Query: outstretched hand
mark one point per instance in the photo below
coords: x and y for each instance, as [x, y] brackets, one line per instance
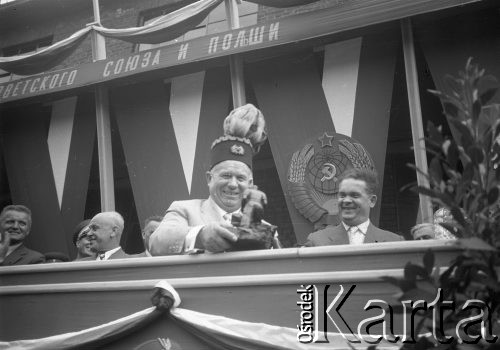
[4, 245]
[216, 237]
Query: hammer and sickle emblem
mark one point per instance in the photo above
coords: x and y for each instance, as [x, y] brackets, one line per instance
[329, 171]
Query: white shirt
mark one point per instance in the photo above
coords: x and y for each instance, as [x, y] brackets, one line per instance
[357, 236]
[108, 253]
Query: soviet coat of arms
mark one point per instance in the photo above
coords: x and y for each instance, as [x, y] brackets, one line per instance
[314, 172]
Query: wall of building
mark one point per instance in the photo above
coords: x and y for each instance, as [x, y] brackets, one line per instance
[115, 14]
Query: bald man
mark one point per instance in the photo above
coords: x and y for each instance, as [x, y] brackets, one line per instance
[106, 230]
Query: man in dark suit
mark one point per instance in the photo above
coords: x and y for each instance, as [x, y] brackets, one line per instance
[15, 226]
[357, 195]
[106, 230]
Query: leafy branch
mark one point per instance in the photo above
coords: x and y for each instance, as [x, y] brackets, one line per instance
[464, 177]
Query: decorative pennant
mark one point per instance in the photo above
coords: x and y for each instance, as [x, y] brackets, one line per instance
[59, 140]
[340, 79]
[185, 105]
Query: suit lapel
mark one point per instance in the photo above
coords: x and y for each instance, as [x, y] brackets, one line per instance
[117, 255]
[339, 235]
[370, 236]
[15, 256]
[209, 213]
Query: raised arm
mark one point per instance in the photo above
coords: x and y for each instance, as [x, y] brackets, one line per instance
[169, 237]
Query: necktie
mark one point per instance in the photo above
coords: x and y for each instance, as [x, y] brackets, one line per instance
[102, 256]
[227, 217]
[355, 235]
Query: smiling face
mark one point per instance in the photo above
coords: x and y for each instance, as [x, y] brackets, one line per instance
[84, 244]
[17, 224]
[104, 233]
[227, 181]
[355, 202]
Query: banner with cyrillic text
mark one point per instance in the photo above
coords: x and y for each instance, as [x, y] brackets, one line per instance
[350, 15]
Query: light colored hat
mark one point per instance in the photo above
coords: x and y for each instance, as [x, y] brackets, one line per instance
[244, 133]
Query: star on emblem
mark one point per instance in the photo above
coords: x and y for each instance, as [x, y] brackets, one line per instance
[326, 140]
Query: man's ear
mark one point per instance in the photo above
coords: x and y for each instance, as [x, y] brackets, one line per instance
[208, 176]
[373, 200]
[114, 231]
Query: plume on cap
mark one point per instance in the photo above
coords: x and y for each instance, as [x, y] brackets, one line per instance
[246, 122]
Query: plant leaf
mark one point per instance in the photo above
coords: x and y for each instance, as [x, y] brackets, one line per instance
[413, 271]
[434, 133]
[450, 109]
[487, 95]
[458, 216]
[452, 154]
[476, 154]
[468, 173]
[493, 195]
[476, 110]
[428, 260]
[465, 135]
[454, 228]
[435, 170]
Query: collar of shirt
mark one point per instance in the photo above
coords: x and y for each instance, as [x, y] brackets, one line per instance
[221, 211]
[108, 253]
[363, 227]
[13, 247]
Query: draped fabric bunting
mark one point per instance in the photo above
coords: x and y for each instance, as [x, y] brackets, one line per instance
[89, 337]
[282, 3]
[217, 331]
[164, 28]
[44, 59]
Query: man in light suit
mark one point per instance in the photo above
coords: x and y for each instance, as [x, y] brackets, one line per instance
[205, 224]
[106, 231]
[357, 195]
[15, 226]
